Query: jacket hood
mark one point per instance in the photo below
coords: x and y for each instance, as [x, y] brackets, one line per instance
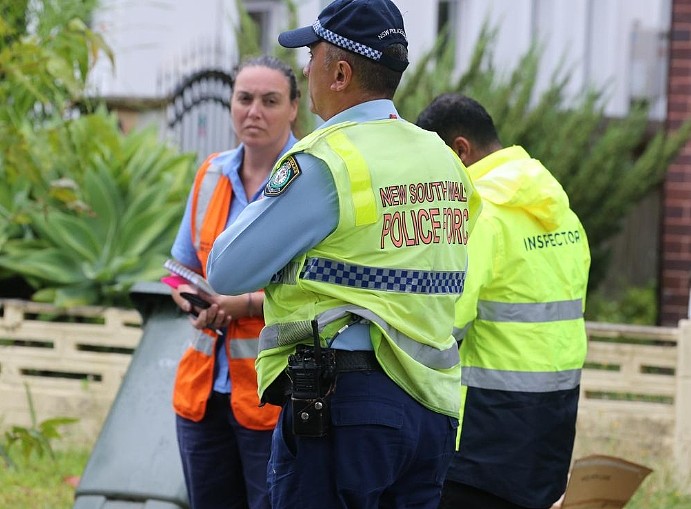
[511, 178]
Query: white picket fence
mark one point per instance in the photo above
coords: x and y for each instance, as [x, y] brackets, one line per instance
[636, 395]
[72, 366]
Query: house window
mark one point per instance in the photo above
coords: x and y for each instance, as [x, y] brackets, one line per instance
[263, 12]
[447, 19]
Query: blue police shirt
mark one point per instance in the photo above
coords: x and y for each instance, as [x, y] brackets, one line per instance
[272, 231]
[183, 248]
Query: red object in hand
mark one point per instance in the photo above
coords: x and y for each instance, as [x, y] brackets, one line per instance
[174, 281]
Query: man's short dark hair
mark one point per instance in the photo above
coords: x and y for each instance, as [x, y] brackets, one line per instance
[372, 76]
[451, 115]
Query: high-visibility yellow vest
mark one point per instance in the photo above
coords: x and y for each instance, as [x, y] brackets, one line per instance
[396, 259]
[522, 332]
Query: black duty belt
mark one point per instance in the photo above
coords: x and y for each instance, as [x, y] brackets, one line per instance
[279, 390]
[356, 360]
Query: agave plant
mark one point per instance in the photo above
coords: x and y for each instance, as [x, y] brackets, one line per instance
[104, 216]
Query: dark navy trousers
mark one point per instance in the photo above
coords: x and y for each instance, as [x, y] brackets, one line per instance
[384, 451]
[224, 464]
[461, 496]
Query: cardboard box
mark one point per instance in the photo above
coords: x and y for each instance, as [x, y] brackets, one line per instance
[602, 482]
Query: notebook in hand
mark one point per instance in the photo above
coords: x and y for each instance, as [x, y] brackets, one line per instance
[196, 280]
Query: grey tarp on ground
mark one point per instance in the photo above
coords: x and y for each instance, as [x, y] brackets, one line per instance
[135, 462]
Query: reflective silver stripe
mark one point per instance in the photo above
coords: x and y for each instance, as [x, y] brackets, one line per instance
[288, 275]
[424, 354]
[206, 192]
[459, 333]
[244, 348]
[204, 343]
[528, 312]
[520, 381]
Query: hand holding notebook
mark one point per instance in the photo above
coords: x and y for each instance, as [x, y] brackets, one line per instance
[191, 277]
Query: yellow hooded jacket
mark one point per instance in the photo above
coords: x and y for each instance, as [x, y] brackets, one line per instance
[522, 333]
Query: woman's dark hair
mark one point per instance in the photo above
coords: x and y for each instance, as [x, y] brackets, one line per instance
[272, 63]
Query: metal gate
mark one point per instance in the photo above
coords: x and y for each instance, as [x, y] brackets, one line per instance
[198, 113]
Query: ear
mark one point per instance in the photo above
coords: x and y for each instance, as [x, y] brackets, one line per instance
[462, 147]
[342, 76]
[294, 105]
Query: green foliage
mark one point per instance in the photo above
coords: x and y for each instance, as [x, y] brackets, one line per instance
[42, 73]
[662, 489]
[104, 213]
[85, 211]
[247, 33]
[606, 166]
[36, 439]
[305, 121]
[635, 305]
[43, 483]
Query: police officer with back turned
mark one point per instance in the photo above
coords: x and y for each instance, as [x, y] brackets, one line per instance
[360, 244]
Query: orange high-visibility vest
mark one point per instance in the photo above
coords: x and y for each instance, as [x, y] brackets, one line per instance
[211, 198]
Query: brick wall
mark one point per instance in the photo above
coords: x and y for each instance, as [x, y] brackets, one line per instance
[676, 222]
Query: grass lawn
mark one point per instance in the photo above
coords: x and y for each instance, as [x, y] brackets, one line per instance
[660, 500]
[42, 483]
[660, 491]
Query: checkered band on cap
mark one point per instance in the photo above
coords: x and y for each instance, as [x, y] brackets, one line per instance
[377, 278]
[345, 43]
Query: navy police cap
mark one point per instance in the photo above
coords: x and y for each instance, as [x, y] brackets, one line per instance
[366, 27]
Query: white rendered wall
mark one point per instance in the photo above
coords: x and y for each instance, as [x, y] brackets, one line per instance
[153, 38]
[591, 38]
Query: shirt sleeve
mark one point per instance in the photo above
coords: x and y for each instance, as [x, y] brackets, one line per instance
[273, 230]
[183, 249]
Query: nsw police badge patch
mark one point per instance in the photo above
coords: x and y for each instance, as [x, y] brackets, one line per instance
[282, 177]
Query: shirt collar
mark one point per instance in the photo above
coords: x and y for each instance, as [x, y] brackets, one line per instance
[231, 160]
[377, 109]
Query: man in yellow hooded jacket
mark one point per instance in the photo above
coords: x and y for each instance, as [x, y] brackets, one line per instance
[519, 322]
